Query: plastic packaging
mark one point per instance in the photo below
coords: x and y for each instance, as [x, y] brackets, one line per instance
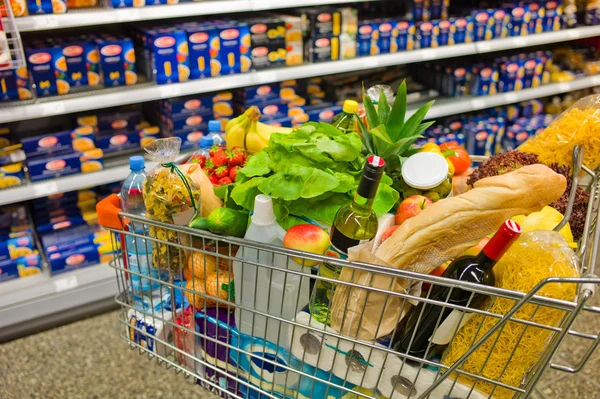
[346, 120]
[171, 196]
[267, 290]
[206, 143]
[536, 256]
[214, 133]
[578, 125]
[427, 174]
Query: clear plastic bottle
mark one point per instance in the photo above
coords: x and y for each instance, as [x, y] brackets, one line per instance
[206, 143]
[346, 120]
[147, 294]
[263, 289]
[214, 132]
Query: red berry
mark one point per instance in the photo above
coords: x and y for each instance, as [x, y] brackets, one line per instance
[222, 171]
[213, 179]
[233, 173]
[198, 158]
[225, 180]
[219, 158]
[213, 150]
[236, 158]
[209, 164]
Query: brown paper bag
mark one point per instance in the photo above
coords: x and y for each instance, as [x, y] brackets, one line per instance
[209, 199]
[358, 315]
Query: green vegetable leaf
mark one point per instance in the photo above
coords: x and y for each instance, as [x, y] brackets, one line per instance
[398, 113]
[258, 165]
[367, 140]
[282, 186]
[399, 147]
[381, 139]
[372, 116]
[415, 120]
[330, 130]
[243, 194]
[385, 199]
[346, 182]
[383, 109]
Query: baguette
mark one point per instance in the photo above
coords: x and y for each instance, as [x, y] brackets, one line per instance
[437, 234]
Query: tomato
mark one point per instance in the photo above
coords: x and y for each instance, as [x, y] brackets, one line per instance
[460, 159]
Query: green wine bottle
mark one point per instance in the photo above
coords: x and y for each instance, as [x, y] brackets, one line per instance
[353, 223]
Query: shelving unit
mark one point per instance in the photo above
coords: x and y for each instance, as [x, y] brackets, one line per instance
[147, 92]
[102, 16]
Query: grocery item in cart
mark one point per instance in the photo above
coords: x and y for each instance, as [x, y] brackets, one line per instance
[578, 125]
[520, 192]
[536, 256]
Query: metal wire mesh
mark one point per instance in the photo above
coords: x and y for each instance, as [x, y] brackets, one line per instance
[237, 337]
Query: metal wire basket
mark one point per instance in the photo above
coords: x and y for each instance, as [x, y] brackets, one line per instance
[257, 351]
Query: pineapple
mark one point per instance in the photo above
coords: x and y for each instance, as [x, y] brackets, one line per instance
[389, 136]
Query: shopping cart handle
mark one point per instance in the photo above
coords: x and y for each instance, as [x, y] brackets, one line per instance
[108, 212]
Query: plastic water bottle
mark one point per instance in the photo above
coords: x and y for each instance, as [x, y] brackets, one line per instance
[346, 120]
[206, 143]
[214, 132]
[147, 294]
[267, 290]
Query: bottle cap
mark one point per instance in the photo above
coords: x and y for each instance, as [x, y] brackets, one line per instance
[425, 170]
[502, 240]
[263, 210]
[350, 107]
[371, 176]
[136, 162]
[214, 126]
[206, 142]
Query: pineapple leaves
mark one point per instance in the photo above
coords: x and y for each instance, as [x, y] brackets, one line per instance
[399, 147]
[412, 124]
[395, 121]
[372, 117]
[381, 140]
[383, 109]
[365, 136]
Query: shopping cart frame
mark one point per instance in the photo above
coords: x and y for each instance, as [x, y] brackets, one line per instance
[224, 248]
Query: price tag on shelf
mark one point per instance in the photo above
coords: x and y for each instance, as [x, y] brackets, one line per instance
[511, 97]
[483, 47]
[45, 189]
[370, 62]
[265, 77]
[478, 104]
[65, 283]
[49, 21]
[131, 14]
[573, 34]
[52, 108]
[169, 91]
[520, 42]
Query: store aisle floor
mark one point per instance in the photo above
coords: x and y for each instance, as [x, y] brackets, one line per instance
[88, 360]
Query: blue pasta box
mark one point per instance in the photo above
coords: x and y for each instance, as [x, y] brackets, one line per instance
[191, 105]
[486, 81]
[406, 35]
[281, 122]
[203, 43]
[324, 115]
[529, 77]
[386, 41]
[462, 30]
[425, 37]
[510, 76]
[519, 21]
[24, 266]
[459, 82]
[117, 61]
[258, 94]
[14, 84]
[268, 45]
[110, 142]
[47, 145]
[120, 120]
[223, 105]
[273, 109]
[367, 38]
[189, 138]
[183, 121]
[12, 175]
[477, 138]
[231, 36]
[552, 16]
[442, 32]
[170, 55]
[61, 262]
[83, 64]
[536, 18]
[438, 9]
[48, 68]
[514, 137]
[420, 10]
[59, 223]
[17, 247]
[46, 7]
[499, 23]
[481, 28]
[47, 168]
[496, 128]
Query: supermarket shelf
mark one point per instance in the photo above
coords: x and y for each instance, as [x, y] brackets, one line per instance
[29, 301]
[102, 16]
[147, 92]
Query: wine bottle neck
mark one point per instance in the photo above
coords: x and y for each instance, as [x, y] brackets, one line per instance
[362, 205]
[484, 261]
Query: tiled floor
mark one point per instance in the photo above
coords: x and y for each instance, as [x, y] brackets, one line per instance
[87, 359]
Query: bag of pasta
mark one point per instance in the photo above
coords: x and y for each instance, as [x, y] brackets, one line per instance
[578, 125]
[171, 196]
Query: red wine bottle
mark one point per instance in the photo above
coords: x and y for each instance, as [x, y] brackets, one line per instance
[474, 269]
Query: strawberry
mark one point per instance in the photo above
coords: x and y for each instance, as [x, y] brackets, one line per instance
[222, 171]
[209, 164]
[213, 150]
[233, 172]
[213, 179]
[219, 158]
[236, 157]
[208, 171]
[225, 180]
[199, 159]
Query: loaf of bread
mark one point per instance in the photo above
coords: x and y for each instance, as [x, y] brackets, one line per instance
[439, 233]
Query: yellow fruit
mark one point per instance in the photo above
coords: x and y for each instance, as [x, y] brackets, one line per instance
[546, 219]
[202, 265]
[217, 285]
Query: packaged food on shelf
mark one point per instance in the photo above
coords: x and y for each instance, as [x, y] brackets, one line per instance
[16, 84]
[46, 7]
[24, 266]
[64, 165]
[117, 61]
[19, 8]
[268, 42]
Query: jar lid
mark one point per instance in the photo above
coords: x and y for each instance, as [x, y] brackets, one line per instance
[425, 170]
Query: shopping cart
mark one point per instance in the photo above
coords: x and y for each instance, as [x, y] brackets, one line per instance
[303, 358]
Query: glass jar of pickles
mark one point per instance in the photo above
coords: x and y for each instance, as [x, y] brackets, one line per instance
[427, 174]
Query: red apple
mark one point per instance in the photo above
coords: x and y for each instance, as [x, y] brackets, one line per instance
[411, 207]
[308, 238]
[388, 233]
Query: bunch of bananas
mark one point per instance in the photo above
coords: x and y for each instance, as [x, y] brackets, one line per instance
[247, 132]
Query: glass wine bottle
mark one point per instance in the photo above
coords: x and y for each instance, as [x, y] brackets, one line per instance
[352, 224]
[418, 326]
